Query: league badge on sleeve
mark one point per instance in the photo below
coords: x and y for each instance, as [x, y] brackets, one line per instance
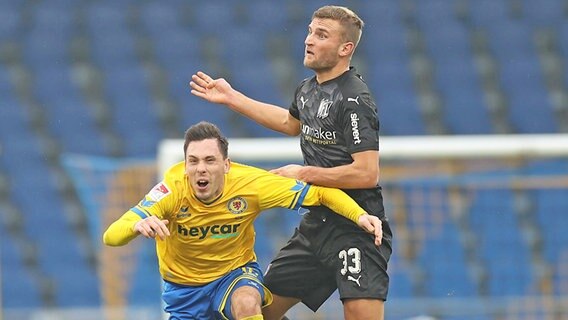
[159, 192]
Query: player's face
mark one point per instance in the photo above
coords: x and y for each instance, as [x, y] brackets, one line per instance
[323, 43]
[205, 169]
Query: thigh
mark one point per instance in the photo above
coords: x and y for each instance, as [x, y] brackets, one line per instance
[296, 272]
[248, 275]
[360, 267]
[187, 302]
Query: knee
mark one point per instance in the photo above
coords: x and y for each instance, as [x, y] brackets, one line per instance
[245, 303]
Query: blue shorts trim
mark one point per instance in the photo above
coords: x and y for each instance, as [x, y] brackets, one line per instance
[212, 300]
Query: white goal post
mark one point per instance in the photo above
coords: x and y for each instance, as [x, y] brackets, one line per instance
[393, 148]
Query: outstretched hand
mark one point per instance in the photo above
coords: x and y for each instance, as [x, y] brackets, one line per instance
[373, 225]
[152, 227]
[212, 90]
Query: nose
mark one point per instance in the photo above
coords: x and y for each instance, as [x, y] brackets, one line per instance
[307, 41]
[201, 167]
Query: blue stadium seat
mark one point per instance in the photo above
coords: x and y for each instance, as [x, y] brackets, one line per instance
[267, 16]
[397, 103]
[550, 218]
[214, 18]
[443, 260]
[19, 288]
[244, 46]
[465, 109]
[522, 80]
[493, 217]
[435, 13]
[484, 13]
[159, 18]
[544, 13]
[177, 47]
[40, 46]
[510, 38]
[389, 43]
[10, 22]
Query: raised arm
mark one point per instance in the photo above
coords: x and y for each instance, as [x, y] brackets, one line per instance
[268, 115]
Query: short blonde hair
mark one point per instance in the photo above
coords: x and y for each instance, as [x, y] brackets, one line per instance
[352, 24]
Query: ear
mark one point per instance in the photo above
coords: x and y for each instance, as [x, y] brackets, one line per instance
[346, 49]
[227, 165]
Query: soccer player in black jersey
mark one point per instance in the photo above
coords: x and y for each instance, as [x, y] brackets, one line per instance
[336, 117]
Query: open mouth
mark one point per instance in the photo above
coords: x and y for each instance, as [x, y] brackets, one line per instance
[202, 183]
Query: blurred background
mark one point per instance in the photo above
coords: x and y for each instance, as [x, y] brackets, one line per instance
[89, 88]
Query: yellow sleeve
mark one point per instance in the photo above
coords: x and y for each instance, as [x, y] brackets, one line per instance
[335, 199]
[121, 231]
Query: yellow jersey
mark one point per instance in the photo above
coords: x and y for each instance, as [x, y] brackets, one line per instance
[208, 241]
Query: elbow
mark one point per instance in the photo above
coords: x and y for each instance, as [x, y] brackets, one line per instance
[107, 240]
[370, 179]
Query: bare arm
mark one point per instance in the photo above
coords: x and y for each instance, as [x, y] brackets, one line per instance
[268, 115]
[363, 172]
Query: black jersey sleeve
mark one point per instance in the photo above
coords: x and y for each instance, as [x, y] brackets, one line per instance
[360, 123]
[293, 109]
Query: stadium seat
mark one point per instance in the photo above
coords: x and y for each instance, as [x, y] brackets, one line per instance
[493, 217]
[522, 81]
[267, 16]
[465, 110]
[483, 13]
[10, 22]
[544, 13]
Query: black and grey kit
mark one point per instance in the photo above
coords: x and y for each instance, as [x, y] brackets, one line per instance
[327, 251]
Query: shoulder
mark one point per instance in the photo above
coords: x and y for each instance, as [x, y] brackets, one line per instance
[239, 170]
[353, 84]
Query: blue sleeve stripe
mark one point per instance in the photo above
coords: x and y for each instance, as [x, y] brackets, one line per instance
[302, 196]
[139, 212]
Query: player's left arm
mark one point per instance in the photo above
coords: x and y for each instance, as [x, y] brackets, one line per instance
[359, 125]
[362, 173]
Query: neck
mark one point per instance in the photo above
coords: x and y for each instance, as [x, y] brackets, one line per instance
[329, 74]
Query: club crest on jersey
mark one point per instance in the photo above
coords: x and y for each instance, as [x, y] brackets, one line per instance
[323, 109]
[159, 191]
[237, 205]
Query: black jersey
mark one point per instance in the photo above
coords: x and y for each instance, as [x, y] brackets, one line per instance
[338, 118]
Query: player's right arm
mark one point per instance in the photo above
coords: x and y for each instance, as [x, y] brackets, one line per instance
[268, 115]
[130, 225]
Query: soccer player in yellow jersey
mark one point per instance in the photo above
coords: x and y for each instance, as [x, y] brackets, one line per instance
[202, 215]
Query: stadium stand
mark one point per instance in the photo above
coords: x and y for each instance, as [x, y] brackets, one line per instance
[110, 78]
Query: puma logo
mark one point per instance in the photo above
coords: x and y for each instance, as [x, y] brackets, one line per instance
[350, 278]
[303, 101]
[356, 100]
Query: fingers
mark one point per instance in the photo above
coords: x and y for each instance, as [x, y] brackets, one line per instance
[153, 227]
[373, 225]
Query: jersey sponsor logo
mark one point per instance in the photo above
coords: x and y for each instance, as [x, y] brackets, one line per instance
[216, 231]
[323, 109]
[356, 100]
[355, 128]
[159, 191]
[303, 101]
[237, 205]
[318, 135]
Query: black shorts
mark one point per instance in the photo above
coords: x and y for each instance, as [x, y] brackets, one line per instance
[327, 254]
